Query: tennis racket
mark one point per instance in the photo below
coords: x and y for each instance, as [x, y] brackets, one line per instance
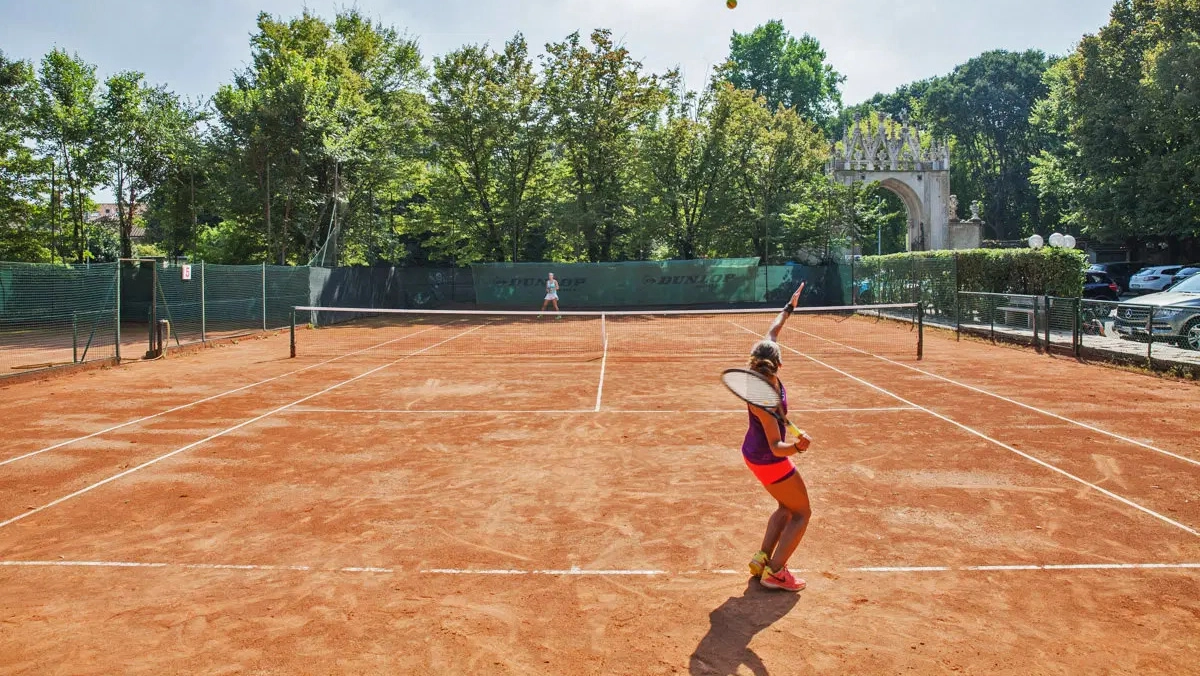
[754, 389]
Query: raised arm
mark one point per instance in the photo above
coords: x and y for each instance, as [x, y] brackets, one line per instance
[777, 325]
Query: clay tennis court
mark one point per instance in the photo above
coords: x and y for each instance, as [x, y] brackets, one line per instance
[512, 497]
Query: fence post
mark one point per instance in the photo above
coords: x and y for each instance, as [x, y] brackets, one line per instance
[920, 332]
[1047, 320]
[1035, 324]
[1076, 329]
[264, 295]
[118, 312]
[957, 316]
[203, 309]
[1150, 338]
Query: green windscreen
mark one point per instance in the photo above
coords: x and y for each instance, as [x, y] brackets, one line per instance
[620, 285]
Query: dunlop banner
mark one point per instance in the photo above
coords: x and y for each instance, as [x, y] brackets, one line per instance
[619, 285]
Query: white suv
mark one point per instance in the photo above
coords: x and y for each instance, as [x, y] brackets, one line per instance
[1153, 280]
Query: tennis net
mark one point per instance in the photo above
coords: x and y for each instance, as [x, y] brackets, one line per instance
[893, 330]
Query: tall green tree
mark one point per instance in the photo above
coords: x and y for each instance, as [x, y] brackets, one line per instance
[21, 171]
[67, 128]
[985, 106]
[490, 129]
[1124, 114]
[324, 119]
[144, 129]
[598, 98]
[785, 70]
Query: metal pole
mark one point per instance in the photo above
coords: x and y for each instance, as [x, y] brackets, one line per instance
[920, 332]
[203, 309]
[153, 304]
[74, 337]
[957, 316]
[1047, 320]
[1076, 329]
[118, 313]
[1035, 320]
[264, 295]
[293, 333]
[1150, 337]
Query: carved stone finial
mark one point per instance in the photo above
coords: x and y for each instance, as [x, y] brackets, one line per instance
[952, 208]
[976, 207]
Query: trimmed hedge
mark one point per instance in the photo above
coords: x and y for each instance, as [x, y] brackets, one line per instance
[934, 277]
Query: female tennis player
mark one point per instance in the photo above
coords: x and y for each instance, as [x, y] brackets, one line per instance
[551, 293]
[768, 456]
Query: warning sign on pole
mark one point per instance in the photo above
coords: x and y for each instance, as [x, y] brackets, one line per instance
[187, 272]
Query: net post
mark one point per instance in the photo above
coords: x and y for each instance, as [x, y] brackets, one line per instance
[203, 309]
[293, 334]
[153, 305]
[117, 312]
[74, 337]
[264, 295]
[920, 332]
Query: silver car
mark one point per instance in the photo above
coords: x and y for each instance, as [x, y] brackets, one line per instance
[1153, 280]
[1176, 315]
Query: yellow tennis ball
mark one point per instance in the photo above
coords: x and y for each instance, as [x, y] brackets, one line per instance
[731, 4]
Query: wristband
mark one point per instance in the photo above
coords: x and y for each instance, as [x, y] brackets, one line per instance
[788, 308]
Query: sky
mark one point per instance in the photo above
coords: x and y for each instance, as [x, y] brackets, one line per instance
[194, 47]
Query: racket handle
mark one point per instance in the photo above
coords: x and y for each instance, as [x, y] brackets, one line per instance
[796, 432]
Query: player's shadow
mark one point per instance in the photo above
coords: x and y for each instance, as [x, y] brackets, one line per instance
[733, 625]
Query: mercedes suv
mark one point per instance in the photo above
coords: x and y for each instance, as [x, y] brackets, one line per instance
[1176, 315]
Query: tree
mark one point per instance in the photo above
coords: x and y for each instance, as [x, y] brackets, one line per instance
[144, 128]
[490, 131]
[598, 98]
[785, 71]
[325, 118]
[1123, 111]
[66, 126]
[985, 105]
[21, 183]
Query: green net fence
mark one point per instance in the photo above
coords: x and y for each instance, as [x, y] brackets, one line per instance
[54, 315]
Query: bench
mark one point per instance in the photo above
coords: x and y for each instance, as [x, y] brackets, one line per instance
[1018, 306]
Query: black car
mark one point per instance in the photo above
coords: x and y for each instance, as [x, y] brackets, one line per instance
[1099, 286]
[1119, 272]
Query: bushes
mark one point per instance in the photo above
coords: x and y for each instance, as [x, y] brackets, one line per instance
[934, 277]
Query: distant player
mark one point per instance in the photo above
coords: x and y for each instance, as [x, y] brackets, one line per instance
[769, 458]
[551, 294]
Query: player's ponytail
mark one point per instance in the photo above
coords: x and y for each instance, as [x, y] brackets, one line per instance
[765, 357]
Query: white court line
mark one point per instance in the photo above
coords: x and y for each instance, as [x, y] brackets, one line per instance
[584, 572]
[1001, 444]
[462, 411]
[1001, 397]
[227, 431]
[206, 399]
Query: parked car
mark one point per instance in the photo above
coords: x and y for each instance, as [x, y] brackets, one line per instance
[1176, 315]
[1154, 279]
[1185, 273]
[1120, 272]
[1099, 286]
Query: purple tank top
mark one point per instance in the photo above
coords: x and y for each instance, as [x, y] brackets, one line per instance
[755, 447]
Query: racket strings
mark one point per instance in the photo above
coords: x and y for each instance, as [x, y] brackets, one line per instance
[751, 387]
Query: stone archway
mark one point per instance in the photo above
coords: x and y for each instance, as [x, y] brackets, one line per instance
[894, 158]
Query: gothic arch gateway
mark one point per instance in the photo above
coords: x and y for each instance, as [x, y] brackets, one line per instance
[894, 158]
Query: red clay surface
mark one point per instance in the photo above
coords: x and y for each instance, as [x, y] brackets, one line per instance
[316, 516]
